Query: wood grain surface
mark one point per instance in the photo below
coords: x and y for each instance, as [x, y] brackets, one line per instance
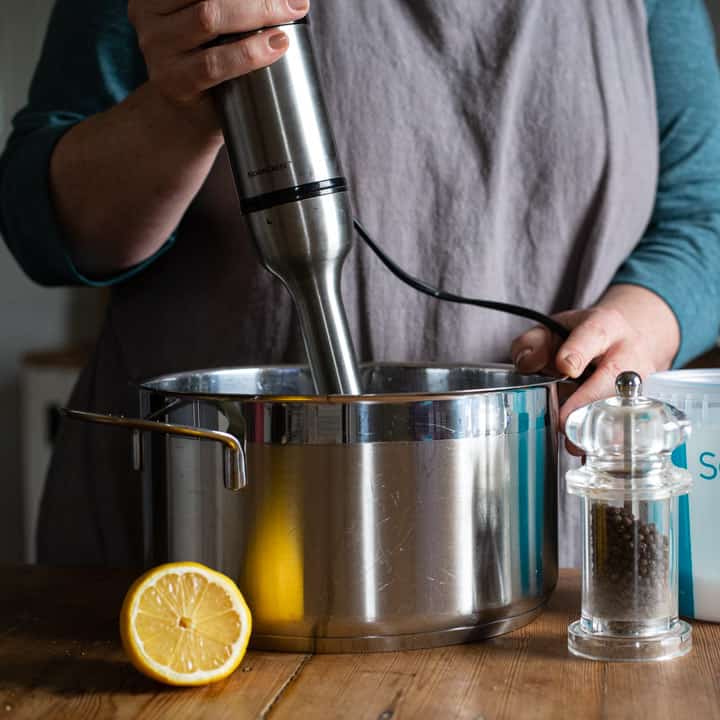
[60, 658]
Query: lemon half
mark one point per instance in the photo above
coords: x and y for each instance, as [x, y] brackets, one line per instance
[185, 624]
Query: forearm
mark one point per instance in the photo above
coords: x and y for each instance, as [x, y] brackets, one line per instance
[650, 316]
[122, 180]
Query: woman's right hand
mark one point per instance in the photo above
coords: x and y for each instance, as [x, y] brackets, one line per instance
[173, 35]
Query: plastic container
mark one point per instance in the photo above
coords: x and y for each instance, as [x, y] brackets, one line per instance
[629, 489]
[697, 394]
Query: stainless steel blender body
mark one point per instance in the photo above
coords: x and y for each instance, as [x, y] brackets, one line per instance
[276, 123]
[294, 197]
[421, 514]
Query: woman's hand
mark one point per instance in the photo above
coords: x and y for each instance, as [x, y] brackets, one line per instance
[631, 328]
[123, 179]
[173, 35]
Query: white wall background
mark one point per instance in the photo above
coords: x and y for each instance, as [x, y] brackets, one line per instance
[31, 317]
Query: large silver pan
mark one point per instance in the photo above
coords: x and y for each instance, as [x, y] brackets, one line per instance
[421, 513]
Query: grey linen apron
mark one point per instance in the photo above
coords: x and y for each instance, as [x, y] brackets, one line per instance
[498, 148]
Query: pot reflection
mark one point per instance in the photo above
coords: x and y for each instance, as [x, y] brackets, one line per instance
[272, 571]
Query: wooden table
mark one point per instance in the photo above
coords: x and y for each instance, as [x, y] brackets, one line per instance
[60, 658]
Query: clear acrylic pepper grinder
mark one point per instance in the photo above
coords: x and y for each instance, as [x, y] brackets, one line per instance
[629, 490]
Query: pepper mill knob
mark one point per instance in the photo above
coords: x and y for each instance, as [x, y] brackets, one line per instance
[628, 385]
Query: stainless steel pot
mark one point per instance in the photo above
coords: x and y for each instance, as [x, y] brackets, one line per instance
[422, 513]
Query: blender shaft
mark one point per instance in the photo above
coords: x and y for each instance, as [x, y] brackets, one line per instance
[305, 245]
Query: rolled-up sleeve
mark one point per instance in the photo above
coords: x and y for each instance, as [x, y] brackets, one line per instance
[90, 61]
[679, 256]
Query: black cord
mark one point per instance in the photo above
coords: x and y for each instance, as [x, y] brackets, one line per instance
[423, 287]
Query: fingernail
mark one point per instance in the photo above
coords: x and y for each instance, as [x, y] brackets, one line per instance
[298, 5]
[278, 41]
[521, 356]
[573, 361]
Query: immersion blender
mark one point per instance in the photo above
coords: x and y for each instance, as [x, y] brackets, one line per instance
[295, 199]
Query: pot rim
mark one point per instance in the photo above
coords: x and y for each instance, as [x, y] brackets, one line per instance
[534, 381]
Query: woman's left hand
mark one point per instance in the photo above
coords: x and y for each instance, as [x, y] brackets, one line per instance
[630, 328]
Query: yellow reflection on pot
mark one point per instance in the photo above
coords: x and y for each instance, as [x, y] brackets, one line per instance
[274, 568]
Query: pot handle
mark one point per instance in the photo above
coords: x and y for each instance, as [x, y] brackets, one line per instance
[235, 461]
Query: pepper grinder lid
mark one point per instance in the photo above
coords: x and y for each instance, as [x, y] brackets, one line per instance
[628, 440]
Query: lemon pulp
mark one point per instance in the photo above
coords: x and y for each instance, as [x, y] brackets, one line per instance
[185, 624]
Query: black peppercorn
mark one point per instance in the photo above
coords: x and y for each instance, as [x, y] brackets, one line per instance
[629, 565]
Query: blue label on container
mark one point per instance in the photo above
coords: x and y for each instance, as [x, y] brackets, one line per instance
[703, 461]
[687, 602]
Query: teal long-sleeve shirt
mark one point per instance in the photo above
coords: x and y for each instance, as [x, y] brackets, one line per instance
[678, 257]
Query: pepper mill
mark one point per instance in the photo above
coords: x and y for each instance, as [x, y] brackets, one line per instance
[629, 490]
